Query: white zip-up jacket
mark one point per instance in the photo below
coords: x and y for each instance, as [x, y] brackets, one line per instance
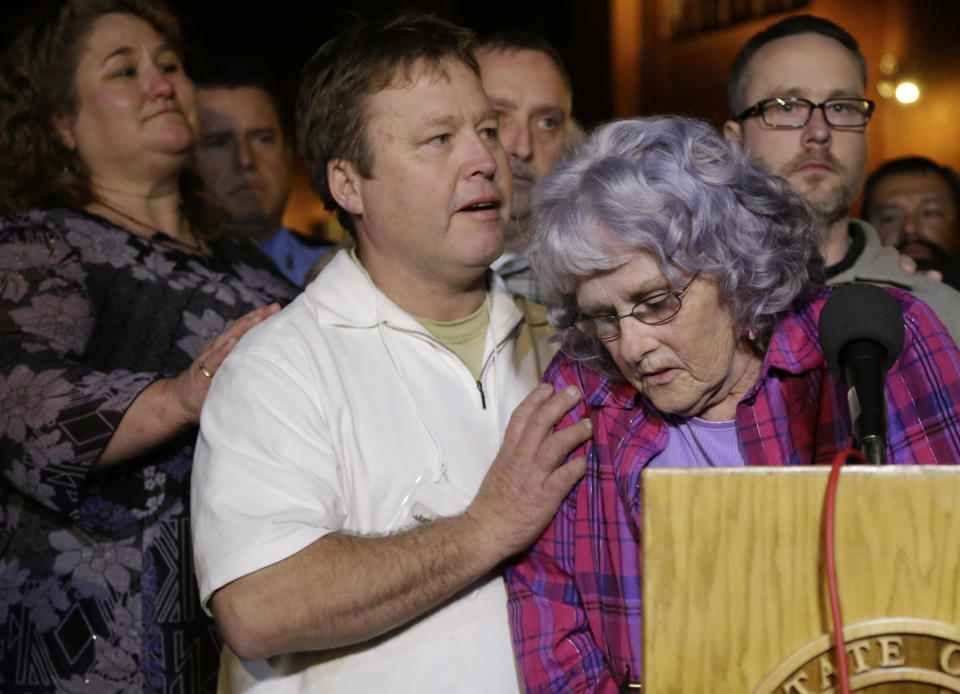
[342, 413]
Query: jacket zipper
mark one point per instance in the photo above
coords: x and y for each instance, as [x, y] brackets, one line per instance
[430, 338]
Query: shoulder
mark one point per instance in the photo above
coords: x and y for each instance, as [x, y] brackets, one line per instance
[876, 267]
[937, 303]
[922, 322]
[536, 314]
[913, 307]
[253, 267]
[564, 371]
[598, 390]
[55, 221]
[54, 238]
[74, 227]
[795, 343]
[923, 329]
[282, 333]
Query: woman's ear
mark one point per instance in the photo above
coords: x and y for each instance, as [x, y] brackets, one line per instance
[63, 128]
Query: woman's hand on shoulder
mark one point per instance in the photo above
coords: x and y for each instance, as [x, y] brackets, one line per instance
[190, 387]
[167, 407]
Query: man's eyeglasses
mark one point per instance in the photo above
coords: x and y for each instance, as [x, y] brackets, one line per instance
[657, 308]
[794, 112]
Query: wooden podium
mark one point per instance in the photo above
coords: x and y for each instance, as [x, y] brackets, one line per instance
[734, 588]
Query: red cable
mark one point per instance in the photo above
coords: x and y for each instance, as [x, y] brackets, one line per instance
[829, 505]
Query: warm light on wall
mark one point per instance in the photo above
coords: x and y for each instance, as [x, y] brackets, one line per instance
[907, 92]
[889, 64]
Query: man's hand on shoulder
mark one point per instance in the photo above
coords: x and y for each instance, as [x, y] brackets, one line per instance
[529, 479]
[344, 589]
[909, 265]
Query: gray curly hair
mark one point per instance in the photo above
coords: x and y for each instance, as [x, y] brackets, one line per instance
[671, 187]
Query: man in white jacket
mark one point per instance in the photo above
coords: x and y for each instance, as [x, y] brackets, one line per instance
[359, 476]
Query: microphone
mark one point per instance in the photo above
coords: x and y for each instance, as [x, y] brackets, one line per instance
[861, 334]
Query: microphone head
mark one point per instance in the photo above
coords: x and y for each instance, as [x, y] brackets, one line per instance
[860, 312]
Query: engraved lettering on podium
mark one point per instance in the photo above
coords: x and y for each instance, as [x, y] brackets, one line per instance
[884, 655]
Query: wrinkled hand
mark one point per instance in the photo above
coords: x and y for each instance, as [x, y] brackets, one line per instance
[528, 479]
[909, 265]
[190, 387]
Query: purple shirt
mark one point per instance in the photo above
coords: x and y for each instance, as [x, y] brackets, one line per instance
[695, 442]
[575, 604]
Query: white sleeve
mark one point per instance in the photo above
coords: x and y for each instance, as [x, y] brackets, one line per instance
[265, 477]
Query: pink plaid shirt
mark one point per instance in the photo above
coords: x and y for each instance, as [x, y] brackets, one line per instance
[575, 604]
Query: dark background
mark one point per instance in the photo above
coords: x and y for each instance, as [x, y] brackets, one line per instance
[281, 35]
[278, 36]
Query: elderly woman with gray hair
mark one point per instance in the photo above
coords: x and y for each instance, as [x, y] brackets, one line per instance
[686, 286]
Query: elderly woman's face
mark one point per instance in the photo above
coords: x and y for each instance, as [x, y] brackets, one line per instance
[695, 364]
[134, 104]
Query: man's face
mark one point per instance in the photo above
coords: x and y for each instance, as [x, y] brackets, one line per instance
[437, 201]
[533, 103]
[914, 211]
[243, 157]
[824, 164]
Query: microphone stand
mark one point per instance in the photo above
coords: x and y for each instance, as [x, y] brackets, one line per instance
[863, 361]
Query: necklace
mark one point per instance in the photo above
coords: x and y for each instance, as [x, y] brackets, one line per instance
[158, 235]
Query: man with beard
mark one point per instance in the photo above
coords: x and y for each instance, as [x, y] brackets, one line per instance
[530, 88]
[913, 204]
[797, 91]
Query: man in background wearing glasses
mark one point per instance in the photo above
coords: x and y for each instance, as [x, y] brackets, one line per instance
[798, 94]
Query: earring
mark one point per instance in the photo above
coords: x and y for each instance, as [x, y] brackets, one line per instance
[750, 333]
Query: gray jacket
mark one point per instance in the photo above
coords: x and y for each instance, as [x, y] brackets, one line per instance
[875, 266]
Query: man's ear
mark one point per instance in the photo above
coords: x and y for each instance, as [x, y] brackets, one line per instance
[733, 130]
[344, 182]
[61, 125]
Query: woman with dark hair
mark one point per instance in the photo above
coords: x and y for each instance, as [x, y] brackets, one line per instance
[686, 286]
[117, 305]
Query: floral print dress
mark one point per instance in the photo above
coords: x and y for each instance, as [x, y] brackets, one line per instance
[97, 591]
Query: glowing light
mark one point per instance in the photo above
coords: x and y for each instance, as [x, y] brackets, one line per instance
[907, 92]
[885, 88]
[889, 64]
